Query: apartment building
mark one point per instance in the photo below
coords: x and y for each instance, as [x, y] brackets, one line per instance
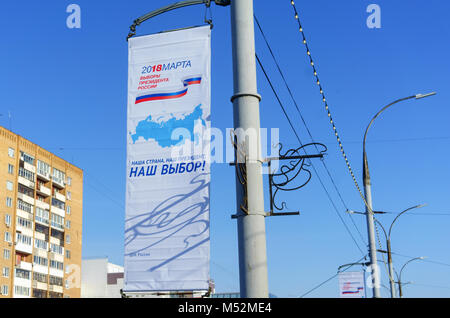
[41, 198]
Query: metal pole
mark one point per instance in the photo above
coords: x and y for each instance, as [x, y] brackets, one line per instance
[370, 229]
[368, 198]
[251, 224]
[391, 269]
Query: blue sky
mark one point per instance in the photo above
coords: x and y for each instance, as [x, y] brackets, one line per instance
[66, 91]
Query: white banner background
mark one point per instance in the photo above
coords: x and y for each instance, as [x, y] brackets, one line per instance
[167, 193]
[351, 285]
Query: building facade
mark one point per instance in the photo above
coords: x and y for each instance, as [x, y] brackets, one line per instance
[41, 200]
[101, 279]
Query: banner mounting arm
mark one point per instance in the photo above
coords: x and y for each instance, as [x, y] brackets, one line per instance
[171, 7]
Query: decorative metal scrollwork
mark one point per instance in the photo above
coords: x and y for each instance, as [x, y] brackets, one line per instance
[283, 180]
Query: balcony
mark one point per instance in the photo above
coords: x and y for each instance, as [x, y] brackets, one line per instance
[24, 230]
[29, 167]
[43, 205]
[39, 285]
[43, 175]
[40, 252]
[43, 190]
[55, 288]
[24, 265]
[40, 269]
[55, 241]
[26, 198]
[56, 257]
[25, 215]
[60, 197]
[24, 206]
[24, 248]
[58, 211]
[56, 272]
[26, 182]
[19, 282]
[59, 182]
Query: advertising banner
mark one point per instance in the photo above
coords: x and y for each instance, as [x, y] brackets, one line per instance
[168, 170]
[351, 285]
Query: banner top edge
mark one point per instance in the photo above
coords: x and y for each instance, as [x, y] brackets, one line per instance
[170, 31]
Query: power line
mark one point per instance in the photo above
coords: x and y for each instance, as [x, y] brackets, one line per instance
[298, 138]
[333, 125]
[332, 277]
[423, 260]
[306, 126]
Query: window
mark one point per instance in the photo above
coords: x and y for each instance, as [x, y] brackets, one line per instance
[68, 224]
[6, 254]
[25, 190]
[24, 239]
[58, 176]
[22, 205]
[68, 209]
[58, 204]
[57, 221]
[69, 181]
[56, 265]
[10, 168]
[8, 219]
[8, 202]
[42, 216]
[40, 244]
[27, 158]
[5, 272]
[43, 168]
[5, 290]
[38, 293]
[26, 174]
[9, 185]
[53, 280]
[67, 254]
[56, 249]
[24, 222]
[69, 195]
[68, 239]
[21, 273]
[20, 290]
[11, 152]
[40, 260]
[7, 237]
[42, 278]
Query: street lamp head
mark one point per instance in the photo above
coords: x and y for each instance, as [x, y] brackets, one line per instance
[419, 96]
[423, 257]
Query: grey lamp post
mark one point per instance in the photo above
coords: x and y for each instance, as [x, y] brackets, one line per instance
[389, 251]
[368, 198]
[400, 275]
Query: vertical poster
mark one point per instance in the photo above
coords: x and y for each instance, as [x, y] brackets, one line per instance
[351, 285]
[168, 171]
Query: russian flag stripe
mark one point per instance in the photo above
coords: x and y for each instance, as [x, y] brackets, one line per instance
[162, 96]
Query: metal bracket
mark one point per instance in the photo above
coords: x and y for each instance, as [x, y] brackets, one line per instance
[171, 7]
[288, 173]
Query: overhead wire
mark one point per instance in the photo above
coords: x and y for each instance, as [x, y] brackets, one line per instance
[333, 125]
[332, 277]
[305, 124]
[299, 140]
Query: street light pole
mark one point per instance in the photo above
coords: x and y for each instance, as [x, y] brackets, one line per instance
[389, 250]
[400, 275]
[250, 221]
[368, 198]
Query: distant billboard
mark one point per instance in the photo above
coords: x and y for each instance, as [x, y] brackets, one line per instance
[351, 285]
[167, 187]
